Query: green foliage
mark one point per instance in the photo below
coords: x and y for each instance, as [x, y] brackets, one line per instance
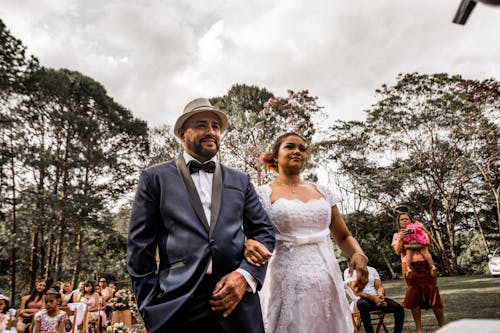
[423, 144]
[69, 153]
[163, 145]
[256, 119]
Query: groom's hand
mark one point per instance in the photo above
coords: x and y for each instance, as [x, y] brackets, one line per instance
[228, 293]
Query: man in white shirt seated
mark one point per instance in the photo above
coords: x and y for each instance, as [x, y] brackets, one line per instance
[373, 298]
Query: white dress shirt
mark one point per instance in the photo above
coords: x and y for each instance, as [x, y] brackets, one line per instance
[370, 286]
[203, 182]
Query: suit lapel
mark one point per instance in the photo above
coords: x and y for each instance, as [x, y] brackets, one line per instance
[216, 197]
[192, 192]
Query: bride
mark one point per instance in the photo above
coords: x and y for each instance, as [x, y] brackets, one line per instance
[304, 290]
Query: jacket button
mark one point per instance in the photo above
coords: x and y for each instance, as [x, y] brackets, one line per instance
[212, 241]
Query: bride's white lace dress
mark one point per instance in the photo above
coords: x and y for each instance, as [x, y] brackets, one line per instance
[303, 290]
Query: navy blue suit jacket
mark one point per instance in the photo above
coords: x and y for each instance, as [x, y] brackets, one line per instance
[166, 218]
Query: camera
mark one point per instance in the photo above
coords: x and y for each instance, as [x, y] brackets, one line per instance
[410, 231]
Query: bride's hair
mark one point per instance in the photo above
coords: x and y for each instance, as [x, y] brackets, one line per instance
[269, 158]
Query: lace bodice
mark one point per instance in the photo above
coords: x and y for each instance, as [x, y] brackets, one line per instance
[298, 218]
[303, 290]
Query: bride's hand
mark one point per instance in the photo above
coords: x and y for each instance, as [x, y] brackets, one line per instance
[359, 263]
[256, 253]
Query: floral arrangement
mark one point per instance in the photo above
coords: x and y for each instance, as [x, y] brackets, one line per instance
[117, 328]
[123, 300]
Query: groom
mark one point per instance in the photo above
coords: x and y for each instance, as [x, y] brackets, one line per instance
[187, 229]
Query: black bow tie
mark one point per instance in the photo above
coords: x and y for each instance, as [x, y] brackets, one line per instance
[194, 166]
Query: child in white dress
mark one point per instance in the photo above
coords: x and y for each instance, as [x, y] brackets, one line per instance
[5, 316]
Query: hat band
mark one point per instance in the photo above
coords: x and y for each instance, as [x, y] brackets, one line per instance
[208, 107]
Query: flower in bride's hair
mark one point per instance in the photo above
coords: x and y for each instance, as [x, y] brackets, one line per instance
[269, 162]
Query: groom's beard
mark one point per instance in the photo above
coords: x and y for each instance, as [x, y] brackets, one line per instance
[199, 147]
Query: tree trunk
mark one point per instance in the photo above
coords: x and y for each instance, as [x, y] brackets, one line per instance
[481, 232]
[37, 251]
[445, 262]
[49, 250]
[490, 183]
[76, 267]
[59, 248]
[451, 237]
[394, 275]
[33, 257]
[41, 253]
[62, 218]
[12, 263]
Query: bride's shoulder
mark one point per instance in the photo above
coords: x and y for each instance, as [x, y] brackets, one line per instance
[263, 188]
[330, 197]
[264, 193]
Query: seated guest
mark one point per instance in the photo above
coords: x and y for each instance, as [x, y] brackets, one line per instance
[66, 293]
[106, 291]
[5, 318]
[94, 305]
[77, 293]
[372, 297]
[31, 304]
[51, 319]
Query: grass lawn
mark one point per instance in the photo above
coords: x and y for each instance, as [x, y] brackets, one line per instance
[476, 296]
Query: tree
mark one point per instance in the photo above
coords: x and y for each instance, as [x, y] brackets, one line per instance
[163, 145]
[257, 118]
[15, 65]
[101, 146]
[415, 148]
[69, 153]
[485, 96]
[374, 234]
[81, 150]
[242, 143]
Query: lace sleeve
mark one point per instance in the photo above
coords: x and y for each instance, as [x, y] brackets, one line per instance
[330, 197]
[264, 193]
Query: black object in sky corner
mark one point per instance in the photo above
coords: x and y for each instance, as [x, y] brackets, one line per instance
[465, 9]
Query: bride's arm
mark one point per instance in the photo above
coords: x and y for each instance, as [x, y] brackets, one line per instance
[350, 247]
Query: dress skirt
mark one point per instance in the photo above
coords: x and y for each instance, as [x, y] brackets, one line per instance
[422, 289]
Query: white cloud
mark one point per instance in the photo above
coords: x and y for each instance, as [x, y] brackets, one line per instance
[210, 45]
[154, 56]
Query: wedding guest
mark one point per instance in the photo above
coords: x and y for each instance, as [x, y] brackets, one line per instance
[5, 318]
[372, 297]
[31, 304]
[106, 292]
[66, 293]
[94, 304]
[422, 291]
[78, 292]
[51, 319]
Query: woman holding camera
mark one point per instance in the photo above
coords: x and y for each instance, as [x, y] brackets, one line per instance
[416, 235]
[422, 291]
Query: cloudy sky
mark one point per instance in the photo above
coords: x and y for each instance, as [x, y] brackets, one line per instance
[153, 56]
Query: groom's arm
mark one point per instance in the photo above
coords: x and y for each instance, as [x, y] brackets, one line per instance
[257, 226]
[141, 246]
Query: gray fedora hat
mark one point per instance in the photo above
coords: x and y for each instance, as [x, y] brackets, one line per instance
[196, 106]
